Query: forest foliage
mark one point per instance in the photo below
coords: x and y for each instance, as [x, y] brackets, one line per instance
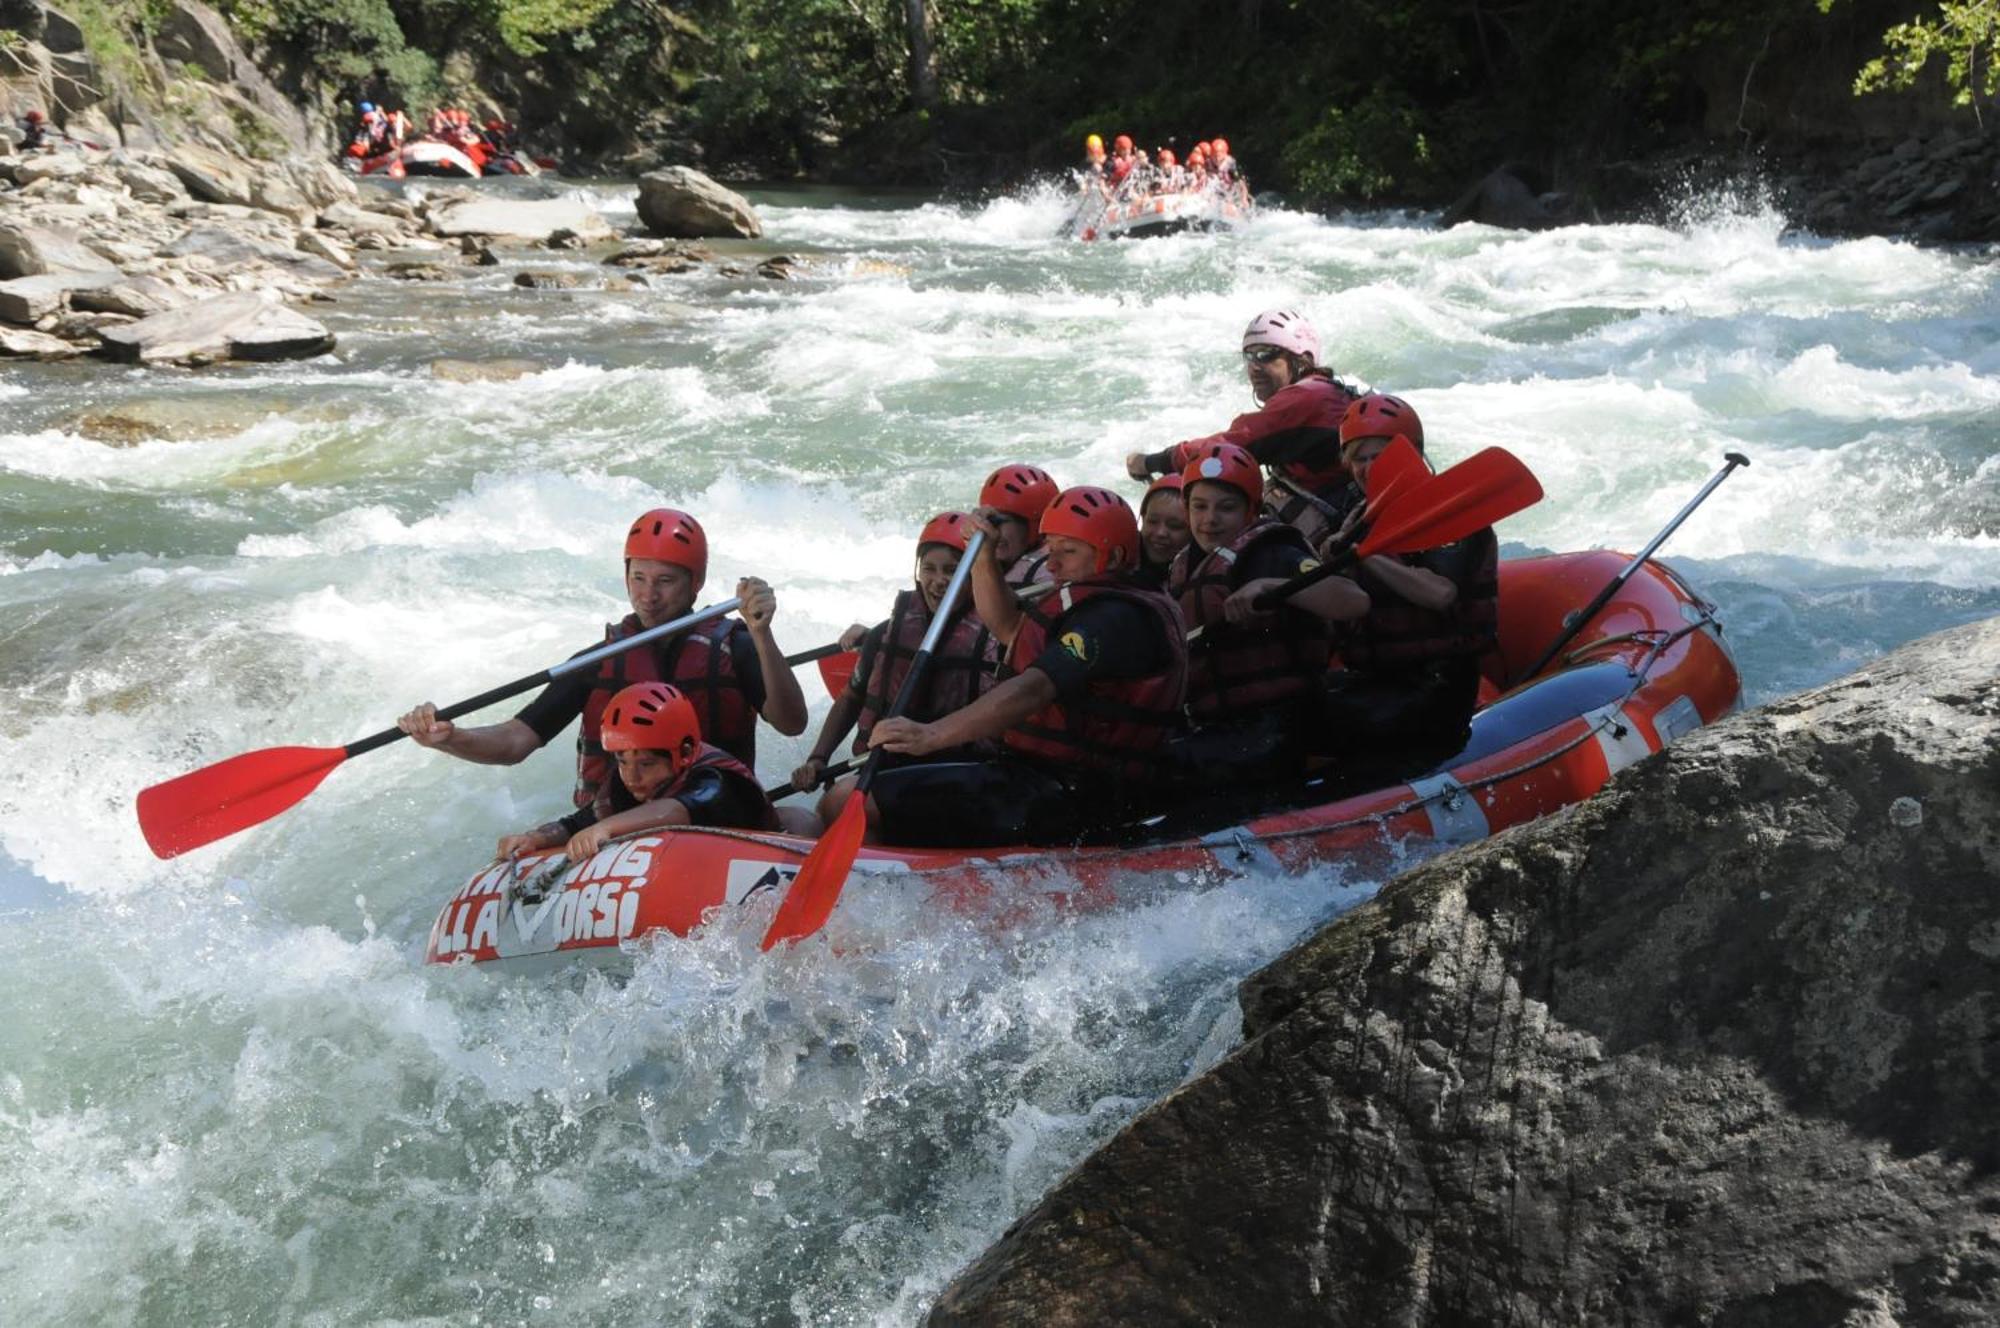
[1366, 100]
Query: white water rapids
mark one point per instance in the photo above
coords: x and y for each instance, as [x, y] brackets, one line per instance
[230, 1093]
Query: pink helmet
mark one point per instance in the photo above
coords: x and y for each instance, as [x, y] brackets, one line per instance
[1287, 329]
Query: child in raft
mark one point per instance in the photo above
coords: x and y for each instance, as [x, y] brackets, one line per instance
[664, 775]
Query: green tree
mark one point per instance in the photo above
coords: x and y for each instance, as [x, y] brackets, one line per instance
[1965, 32]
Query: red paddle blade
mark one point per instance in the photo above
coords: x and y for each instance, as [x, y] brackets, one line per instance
[1397, 467]
[1485, 488]
[816, 889]
[217, 800]
[835, 670]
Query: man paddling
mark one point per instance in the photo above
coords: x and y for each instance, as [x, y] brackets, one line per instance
[731, 669]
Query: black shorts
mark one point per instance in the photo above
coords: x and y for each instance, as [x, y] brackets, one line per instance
[978, 804]
[1413, 720]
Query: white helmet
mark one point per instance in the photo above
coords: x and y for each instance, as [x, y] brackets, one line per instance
[1287, 329]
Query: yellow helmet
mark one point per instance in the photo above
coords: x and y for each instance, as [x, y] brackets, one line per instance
[1093, 144]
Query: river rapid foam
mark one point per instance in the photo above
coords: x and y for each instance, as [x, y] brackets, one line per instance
[229, 1092]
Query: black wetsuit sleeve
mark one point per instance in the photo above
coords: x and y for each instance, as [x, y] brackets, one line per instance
[1271, 558]
[749, 669]
[577, 821]
[1101, 640]
[715, 799]
[557, 704]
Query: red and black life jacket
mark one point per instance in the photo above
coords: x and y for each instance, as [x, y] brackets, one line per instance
[963, 668]
[700, 663]
[1235, 669]
[1398, 635]
[1118, 726]
[710, 757]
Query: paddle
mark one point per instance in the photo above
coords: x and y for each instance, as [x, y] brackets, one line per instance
[1573, 622]
[1396, 469]
[218, 800]
[826, 776]
[1486, 487]
[816, 889]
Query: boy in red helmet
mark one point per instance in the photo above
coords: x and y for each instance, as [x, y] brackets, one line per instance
[1083, 723]
[964, 666]
[664, 775]
[1409, 680]
[1255, 677]
[731, 669]
[1012, 501]
[34, 131]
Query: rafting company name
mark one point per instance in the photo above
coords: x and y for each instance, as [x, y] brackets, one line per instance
[590, 901]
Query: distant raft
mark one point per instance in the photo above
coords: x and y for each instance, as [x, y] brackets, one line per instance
[1646, 669]
[1158, 214]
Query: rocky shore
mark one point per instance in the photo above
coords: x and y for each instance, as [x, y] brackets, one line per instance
[1720, 1045]
[191, 256]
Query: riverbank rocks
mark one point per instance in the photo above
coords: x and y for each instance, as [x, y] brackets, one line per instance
[244, 326]
[685, 204]
[30, 250]
[1720, 1045]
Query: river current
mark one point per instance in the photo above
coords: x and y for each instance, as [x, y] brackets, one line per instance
[229, 1091]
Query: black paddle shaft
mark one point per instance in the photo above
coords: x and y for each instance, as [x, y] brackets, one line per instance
[920, 665]
[586, 660]
[1574, 622]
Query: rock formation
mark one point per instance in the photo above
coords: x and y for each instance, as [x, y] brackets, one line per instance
[685, 204]
[1721, 1045]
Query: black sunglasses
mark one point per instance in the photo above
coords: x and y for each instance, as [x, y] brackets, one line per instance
[1261, 354]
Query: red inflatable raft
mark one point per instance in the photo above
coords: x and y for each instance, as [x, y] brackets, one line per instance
[1648, 668]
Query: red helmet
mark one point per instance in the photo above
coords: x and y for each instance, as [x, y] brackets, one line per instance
[1164, 484]
[1166, 156]
[34, 117]
[1379, 415]
[1199, 152]
[1098, 517]
[1122, 143]
[652, 717]
[946, 528]
[666, 535]
[1020, 491]
[1221, 147]
[1226, 463]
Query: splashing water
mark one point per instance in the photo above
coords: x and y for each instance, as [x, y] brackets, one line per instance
[229, 1092]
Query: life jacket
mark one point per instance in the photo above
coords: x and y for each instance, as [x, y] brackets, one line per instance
[1398, 636]
[1118, 727]
[613, 797]
[1235, 669]
[700, 663]
[962, 668]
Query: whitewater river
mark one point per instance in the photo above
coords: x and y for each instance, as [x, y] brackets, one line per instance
[230, 1093]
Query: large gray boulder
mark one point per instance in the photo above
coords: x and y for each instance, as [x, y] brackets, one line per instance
[685, 204]
[243, 326]
[214, 177]
[27, 250]
[28, 300]
[1719, 1046]
[520, 218]
[1505, 199]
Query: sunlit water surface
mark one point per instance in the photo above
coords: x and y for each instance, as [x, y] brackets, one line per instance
[229, 1093]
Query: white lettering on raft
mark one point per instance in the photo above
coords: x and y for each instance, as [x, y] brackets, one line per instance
[594, 902]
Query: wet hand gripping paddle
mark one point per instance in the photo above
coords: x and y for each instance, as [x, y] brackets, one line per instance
[1415, 514]
[218, 800]
[816, 889]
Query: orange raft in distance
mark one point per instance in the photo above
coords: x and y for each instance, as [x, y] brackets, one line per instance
[1649, 667]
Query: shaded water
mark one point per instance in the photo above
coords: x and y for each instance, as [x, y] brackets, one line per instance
[229, 1093]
